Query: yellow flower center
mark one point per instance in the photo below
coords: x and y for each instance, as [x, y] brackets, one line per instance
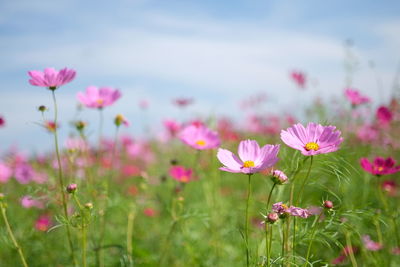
[100, 101]
[248, 164]
[201, 142]
[380, 169]
[312, 146]
[285, 207]
[184, 179]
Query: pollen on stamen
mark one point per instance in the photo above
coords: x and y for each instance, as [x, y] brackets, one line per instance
[201, 142]
[100, 101]
[248, 164]
[311, 146]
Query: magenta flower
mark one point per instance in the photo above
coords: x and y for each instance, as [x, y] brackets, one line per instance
[51, 78]
[5, 172]
[371, 245]
[299, 78]
[355, 97]
[283, 210]
[98, 97]
[199, 137]
[251, 159]
[43, 223]
[181, 174]
[384, 115]
[2, 121]
[380, 166]
[313, 140]
[29, 202]
[183, 102]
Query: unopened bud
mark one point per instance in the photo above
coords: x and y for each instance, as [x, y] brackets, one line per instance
[119, 119]
[42, 108]
[80, 125]
[279, 177]
[272, 217]
[72, 188]
[89, 205]
[328, 204]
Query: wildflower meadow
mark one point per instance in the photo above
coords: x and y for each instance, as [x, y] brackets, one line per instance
[207, 191]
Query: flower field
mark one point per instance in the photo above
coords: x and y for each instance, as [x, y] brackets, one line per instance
[270, 191]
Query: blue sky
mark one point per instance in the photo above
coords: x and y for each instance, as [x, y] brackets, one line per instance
[218, 52]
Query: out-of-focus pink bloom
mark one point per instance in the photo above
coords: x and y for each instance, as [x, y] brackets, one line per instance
[384, 115]
[290, 119]
[380, 166]
[254, 101]
[344, 255]
[143, 104]
[367, 133]
[23, 173]
[29, 202]
[5, 172]
[98, 97]
[396, 251]
[181, 174]
[371, 245]
[199, 137]
[355, 97]
[140, 150]
[312, 140]
[299, 78]
[172, 126]
[51, 78]
[390, 187]
[39, 177]
[2, 121]
[315, 210]
[130, 170]
[252, 158]
[182, 102]
[76, 145]
[227, 131]
[150, 212]
[126, 140]
[43, 223]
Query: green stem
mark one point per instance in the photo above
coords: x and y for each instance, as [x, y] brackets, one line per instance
[83, 229]
[247, 222]
[266, 224]
[315, 224]
[10, 233]
[304, 182]
[129, 234]
[351, 253]
[60, 179]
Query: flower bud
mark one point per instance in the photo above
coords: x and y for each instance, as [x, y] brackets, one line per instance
[272, 217]
[279, 177]
[119, 119]
[80, 125]
[328, 204]
[72, 188]
[1, 196]
[42, 108]
[89, 205]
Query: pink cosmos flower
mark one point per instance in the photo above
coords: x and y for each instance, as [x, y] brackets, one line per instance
[312, 140]
[251, 159]
[367, 133]
[43, 223]
[172, 126]
[355, 97]
[380, 166]
[23, 173]
[299, 78]
[282, 210]
[344, 254]
[199, 137]
[181, 174]
[182, 102]
[98, 97]
[2, 121]
[29, 202]
[5, 172]
[384, 115]
[51, 78]
[390, 187]
[371, 245]
[279, 177]
[76, 145]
